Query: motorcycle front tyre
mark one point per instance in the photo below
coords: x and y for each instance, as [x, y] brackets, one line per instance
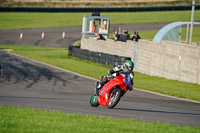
[93, 101]
[112, 102]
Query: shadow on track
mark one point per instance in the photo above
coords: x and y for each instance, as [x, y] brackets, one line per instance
[14, 70]
[38, 98]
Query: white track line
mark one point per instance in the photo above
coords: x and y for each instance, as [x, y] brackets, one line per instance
[96, 79]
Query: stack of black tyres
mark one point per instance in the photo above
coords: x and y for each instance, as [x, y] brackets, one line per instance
[98, 57]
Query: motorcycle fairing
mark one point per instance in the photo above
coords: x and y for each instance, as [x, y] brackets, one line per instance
[104, 92]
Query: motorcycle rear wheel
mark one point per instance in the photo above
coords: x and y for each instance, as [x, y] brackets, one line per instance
[93, 101]
[114, 97]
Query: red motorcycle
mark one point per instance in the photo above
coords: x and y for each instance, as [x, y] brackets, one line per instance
[112, 91]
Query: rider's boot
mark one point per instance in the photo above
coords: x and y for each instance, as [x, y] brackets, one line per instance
[97, 87]
[100, 84]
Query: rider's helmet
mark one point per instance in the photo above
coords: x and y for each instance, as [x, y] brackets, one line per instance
[128, 66]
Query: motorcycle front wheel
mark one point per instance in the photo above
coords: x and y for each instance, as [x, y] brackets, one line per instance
[114, 97]
[93, 101]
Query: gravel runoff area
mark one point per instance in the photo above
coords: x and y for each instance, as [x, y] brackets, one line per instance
[53, 36]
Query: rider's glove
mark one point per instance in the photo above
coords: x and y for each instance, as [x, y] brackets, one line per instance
[114, 74]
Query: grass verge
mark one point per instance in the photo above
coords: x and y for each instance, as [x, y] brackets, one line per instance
[20, 20]
[15, 119]
[59, 57]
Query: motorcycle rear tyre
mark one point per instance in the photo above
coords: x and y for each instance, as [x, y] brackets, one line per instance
[117, 98]
[93, 101]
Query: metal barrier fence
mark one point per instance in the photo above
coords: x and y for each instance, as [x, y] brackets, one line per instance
[129, 9]
[98, 57]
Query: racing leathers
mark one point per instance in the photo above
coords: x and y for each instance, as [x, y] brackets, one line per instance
[112, 74]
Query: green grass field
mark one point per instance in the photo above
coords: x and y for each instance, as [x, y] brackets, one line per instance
[27, 120]
[17, 119]
[20, 20]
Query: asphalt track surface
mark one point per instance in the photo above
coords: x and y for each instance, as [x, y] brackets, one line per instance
[27, 83]
[53, 36]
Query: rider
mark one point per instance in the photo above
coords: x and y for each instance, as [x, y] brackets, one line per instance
[127, 67]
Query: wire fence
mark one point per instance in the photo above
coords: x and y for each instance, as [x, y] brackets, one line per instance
[129, 9]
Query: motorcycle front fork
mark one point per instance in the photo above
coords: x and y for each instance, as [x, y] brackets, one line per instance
[96, 85]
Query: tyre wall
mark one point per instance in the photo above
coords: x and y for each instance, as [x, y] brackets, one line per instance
[99, 57]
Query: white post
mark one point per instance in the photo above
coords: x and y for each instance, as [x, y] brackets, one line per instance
[186, 40]
[91, 25]
[120, 30]
[84, 25]
[192, 20]
[179, 34]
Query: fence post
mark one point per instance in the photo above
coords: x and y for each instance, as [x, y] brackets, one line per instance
[135, 56]
[198, 72]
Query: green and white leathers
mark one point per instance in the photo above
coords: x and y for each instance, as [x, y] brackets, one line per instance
[128, 66]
